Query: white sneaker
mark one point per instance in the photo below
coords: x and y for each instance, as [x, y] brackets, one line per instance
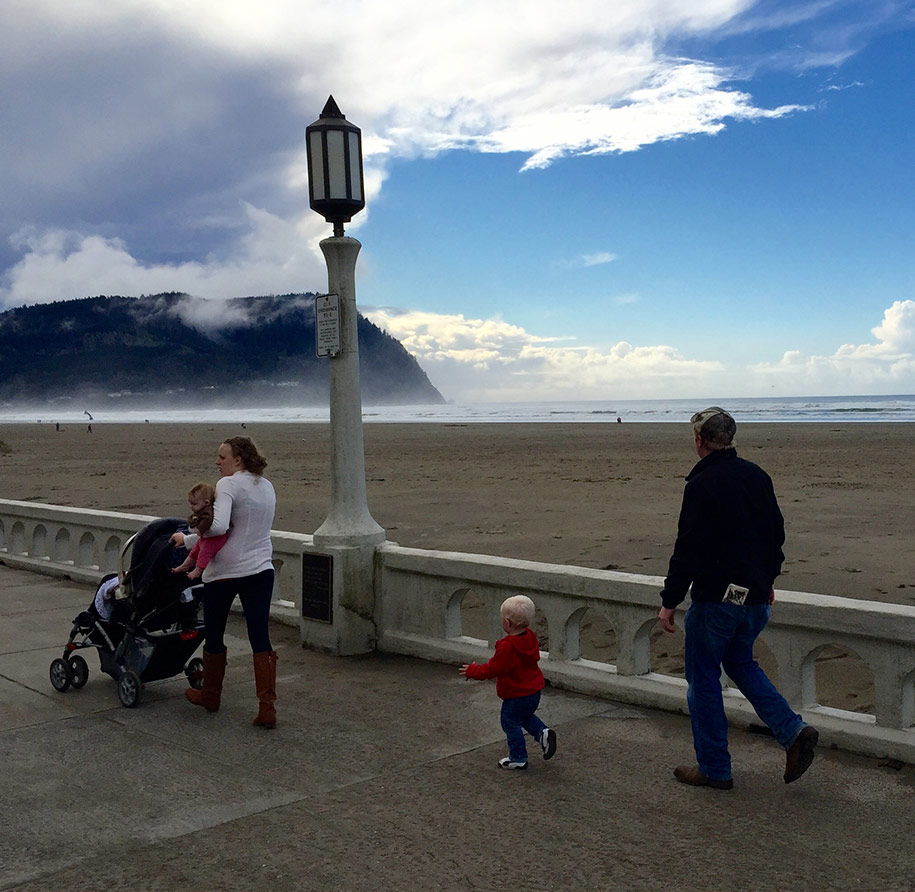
[548, 742]
[506, 762]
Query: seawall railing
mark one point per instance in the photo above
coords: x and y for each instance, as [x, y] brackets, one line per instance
[84, 544]
[445, 606]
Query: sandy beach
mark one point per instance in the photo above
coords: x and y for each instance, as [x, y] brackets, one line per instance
[592, 495]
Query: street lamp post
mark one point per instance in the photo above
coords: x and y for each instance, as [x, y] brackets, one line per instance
[349, 533]
[336, 191]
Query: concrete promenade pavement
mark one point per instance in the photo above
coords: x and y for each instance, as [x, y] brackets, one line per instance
[382, 775]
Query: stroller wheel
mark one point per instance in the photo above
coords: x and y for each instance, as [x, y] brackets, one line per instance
[60, 675]
[79, 671]
[194, 673]
[130, 688]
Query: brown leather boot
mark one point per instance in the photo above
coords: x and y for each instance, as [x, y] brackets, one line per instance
[690, 774]
[265, 680]
[214, 670]
[800, 754]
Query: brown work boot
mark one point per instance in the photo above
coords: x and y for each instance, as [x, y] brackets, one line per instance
[690, 774]
[214, 670]
[800, 754]
[265, 681]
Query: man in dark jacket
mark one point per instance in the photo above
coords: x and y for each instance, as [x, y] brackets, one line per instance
[728, 552]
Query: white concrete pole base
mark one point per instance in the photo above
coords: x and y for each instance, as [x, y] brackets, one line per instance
[353, 629]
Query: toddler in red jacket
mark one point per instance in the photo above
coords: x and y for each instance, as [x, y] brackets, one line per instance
[519, 682]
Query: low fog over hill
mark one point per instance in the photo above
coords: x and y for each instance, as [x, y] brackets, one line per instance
[170, 350]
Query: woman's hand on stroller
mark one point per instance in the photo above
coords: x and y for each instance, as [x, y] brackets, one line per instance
[177, 539]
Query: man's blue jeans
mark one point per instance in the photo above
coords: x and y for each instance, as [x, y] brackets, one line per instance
[518, 716]
[721, 636]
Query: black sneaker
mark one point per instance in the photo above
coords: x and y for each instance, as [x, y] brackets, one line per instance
[548, 742]
[506, 762]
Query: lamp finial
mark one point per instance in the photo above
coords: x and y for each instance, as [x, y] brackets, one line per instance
[331, 110]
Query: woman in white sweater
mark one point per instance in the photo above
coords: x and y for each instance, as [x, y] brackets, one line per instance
[244, 507]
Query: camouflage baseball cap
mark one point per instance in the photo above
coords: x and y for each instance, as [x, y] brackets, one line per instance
[714, 424]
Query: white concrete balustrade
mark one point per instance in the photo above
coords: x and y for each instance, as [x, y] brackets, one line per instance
[418, 610]
[419, 613]
[84, 545]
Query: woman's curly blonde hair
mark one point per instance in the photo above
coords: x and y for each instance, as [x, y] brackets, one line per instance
[244, 448]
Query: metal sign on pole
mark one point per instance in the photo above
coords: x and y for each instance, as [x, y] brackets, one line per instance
[328, 340]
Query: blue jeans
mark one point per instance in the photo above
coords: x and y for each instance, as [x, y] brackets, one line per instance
[518, 716]
[721, 636]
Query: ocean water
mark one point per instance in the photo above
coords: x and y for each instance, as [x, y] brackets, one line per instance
[820, 409]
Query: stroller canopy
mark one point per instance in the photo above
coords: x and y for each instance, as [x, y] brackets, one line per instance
[150, 582]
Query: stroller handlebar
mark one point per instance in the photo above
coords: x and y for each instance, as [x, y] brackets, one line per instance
[123, 564]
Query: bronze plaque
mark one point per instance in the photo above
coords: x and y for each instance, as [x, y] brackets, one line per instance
[318, 587]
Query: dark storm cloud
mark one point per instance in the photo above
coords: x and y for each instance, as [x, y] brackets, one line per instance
[139, 133]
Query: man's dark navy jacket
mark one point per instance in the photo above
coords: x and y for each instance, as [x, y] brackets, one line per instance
[730, 531]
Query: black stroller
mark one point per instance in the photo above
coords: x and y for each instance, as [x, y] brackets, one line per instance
[150, 630]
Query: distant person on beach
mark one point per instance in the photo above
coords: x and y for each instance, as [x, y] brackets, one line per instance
[728, 553]
[246, 502]
[201, 498]
[519, 683]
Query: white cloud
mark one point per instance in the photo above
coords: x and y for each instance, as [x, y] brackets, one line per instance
[819, 33]
[199, 313]
[680, 98]
[274, 256]
[547, 83]
[840, 87]
[886, 366]
[897, 331]
[598, 258]
[127, 115]
[490, 359]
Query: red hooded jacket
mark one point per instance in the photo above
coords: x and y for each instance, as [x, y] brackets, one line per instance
[514, 664]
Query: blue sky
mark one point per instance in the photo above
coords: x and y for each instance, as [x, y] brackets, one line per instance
[644, 199]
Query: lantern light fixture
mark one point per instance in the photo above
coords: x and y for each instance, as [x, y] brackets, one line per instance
[336, 188]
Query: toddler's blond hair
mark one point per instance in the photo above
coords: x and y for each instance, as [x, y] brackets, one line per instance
[518, 610]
